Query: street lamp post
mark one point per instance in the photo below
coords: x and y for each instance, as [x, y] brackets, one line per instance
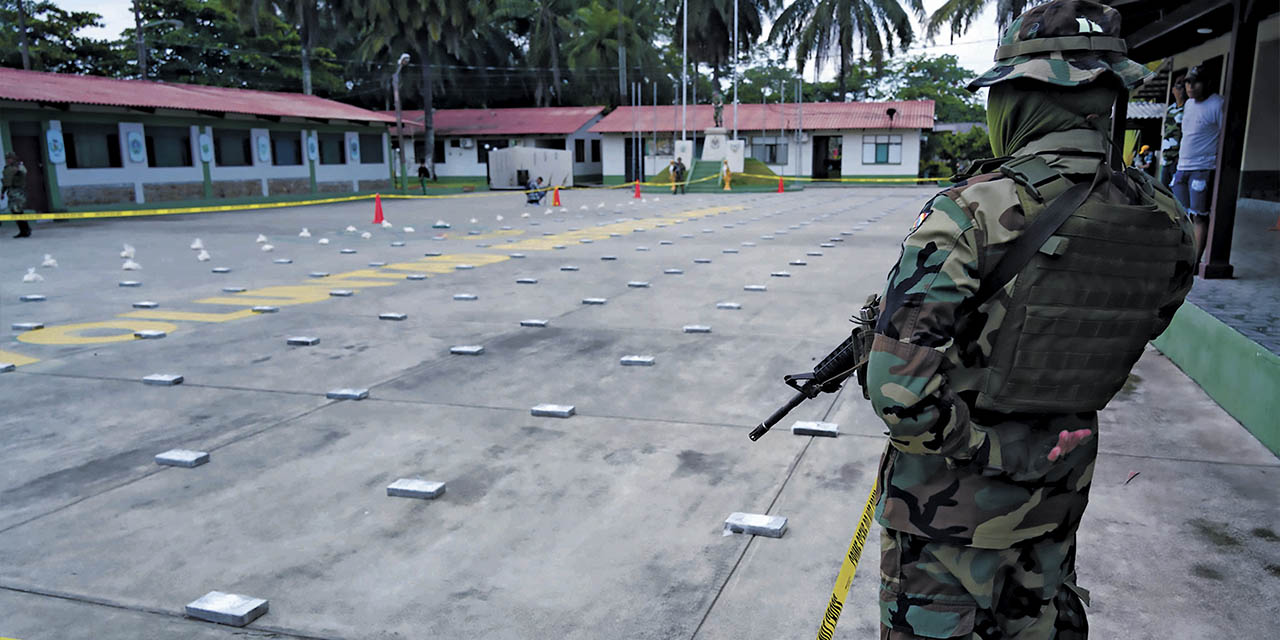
[395, 84]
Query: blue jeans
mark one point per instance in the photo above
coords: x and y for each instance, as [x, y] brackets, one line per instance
[1193, 189]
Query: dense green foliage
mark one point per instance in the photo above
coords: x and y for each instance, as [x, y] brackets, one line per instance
[519, 52]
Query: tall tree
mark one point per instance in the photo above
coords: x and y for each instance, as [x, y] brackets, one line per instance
[816, 29]
[711, 28]
[540, 24]
[940, 79]
[592, 42]
[212, 46]
[958, 15]
[305, 15]
[46, 40]
[431, 31]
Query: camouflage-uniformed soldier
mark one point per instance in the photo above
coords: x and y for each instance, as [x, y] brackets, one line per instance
[991, 405]
[14, 185]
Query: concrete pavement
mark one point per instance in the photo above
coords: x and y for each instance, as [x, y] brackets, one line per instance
[606, 524]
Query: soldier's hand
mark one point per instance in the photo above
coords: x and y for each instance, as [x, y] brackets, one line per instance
[1068, 440]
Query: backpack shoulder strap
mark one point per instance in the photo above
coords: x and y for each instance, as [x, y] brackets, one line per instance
[1045, 225]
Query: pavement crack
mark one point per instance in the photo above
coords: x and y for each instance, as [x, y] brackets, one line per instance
[256, 629]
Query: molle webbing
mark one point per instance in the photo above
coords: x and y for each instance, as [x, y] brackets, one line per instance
[1081, 312]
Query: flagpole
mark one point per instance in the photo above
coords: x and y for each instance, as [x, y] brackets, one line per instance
[684, 75]
[735, 69]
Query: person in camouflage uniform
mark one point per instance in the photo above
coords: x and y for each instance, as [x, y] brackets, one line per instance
[1172, 129]
[979, 507]
[15, 189]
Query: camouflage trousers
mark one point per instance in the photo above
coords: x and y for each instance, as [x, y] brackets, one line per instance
[935, 590]
[17, 200]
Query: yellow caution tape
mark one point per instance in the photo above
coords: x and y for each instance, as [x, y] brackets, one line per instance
[884, 179]
[850, 566]
[128, 213]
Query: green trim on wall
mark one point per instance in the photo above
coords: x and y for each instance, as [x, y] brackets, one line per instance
[6, 143]
[612, 180]
[50, 169]
[1238, 373]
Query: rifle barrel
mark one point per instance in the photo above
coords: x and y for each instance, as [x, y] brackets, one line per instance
[778, 415]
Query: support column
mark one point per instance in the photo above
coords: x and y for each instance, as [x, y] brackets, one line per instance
[1235, 111]
[50, 169]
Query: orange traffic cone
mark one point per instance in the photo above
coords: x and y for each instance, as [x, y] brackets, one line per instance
[779, 184]
[637, 196]
[555, 197]
[377, 208]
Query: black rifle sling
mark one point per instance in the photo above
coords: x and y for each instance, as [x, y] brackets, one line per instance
[1026, 246]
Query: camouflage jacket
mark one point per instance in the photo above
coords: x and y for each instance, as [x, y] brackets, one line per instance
[15, 177]
[952, 473]
[1172, 137]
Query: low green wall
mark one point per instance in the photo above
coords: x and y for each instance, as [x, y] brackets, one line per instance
[1235, 371]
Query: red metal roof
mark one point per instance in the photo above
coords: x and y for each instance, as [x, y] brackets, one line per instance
[503, 122]
[915, 114]
[38, 86]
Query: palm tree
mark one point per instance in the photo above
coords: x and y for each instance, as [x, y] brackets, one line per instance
[958, 15]
[305, 15]
[711, 28]
[431, 31]
[539, 21]
[591, 48]
[818, 28]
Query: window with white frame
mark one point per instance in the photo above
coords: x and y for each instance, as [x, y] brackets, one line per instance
[882, 149]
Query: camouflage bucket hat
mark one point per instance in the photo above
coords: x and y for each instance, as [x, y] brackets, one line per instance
[1066, 43]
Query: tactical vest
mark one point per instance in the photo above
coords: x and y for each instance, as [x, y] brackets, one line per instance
[1082, 310]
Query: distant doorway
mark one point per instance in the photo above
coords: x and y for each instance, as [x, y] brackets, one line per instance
[634, 169]
[827, 156]
[26, 143]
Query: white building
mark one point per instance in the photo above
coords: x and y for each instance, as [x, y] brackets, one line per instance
[464, 137]
[89, 141]
[812, 139]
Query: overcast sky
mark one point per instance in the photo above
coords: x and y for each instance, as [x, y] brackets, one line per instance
[974, 49]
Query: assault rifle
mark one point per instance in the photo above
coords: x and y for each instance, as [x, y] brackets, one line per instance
[847, 359]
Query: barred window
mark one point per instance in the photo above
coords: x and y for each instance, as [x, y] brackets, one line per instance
[169, 147]
[332, 149]
[231, 148]
[286, 147]
[92, 146]
[371, 151]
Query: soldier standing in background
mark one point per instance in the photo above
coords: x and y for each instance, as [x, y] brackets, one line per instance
[1172, 130]
[990, 381]
[15, 189]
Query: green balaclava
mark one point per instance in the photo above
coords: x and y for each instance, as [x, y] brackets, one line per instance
[1020, 111]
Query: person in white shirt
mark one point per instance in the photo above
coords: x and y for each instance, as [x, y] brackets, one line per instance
[1198, 154]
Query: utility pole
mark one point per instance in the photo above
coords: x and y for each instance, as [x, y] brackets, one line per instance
[622, 58]
[22, 31]
[137, 36]
[395, 83]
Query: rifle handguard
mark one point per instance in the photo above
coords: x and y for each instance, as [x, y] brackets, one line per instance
[833, 370]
